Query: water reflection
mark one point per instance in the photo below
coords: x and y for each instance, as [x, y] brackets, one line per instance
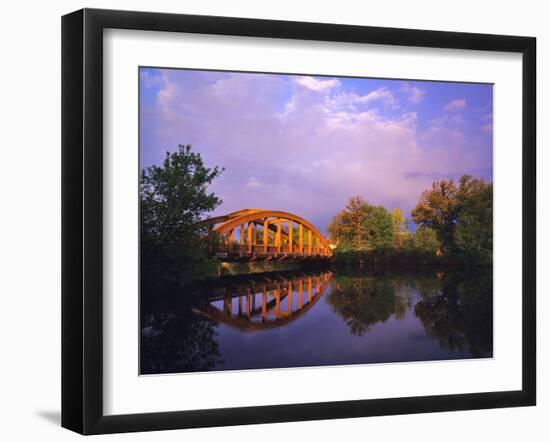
[328, 317]
[173, 337]
[266, 303]
[457, 310]
[362, 301]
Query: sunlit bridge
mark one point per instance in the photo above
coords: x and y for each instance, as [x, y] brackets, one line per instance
[256, 234]
[267, 304]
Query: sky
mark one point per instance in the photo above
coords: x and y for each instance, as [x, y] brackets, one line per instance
[305, 144]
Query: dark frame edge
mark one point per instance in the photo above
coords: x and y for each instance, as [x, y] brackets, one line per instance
[309, 411]
[529, 219]
[72, 117]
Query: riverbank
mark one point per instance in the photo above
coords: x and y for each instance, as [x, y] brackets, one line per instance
[226, 269]
[403, 258]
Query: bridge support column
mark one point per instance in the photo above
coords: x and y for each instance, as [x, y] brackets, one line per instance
[241, 239]
[278, 237]
[249, 238]
[290, 239]
[301, 239]
[309, 242]
[266, 235]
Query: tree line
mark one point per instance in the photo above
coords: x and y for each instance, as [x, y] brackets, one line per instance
[453, 219]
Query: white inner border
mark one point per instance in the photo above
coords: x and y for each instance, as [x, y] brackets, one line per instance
[126, 392]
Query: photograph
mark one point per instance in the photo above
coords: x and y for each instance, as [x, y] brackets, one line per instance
[300, 220]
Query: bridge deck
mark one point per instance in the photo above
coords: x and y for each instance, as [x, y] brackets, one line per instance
[236, 253]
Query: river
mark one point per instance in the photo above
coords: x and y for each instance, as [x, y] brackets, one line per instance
[318, 317]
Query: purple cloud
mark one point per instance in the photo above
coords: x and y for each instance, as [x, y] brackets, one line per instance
[306, 144]
[415, 94]
[455, 105]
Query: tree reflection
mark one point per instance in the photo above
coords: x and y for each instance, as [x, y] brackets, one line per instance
[456, 309]
[173, 337]
[364, 301]
[455, 306]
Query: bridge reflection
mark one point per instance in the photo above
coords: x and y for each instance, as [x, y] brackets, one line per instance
[266, 304]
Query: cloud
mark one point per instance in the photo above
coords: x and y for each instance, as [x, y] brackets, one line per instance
[252, 183]
[303, 144]
[383, 94]
[455, 105]
[449, 120]
[415, 94]
[316, 84]
[351, 100]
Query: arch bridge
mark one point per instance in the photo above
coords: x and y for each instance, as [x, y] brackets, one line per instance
[265, 234]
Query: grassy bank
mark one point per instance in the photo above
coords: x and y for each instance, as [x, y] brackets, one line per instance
[260, 267]
[404, 258]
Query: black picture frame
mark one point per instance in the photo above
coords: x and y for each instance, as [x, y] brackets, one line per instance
[82, 218]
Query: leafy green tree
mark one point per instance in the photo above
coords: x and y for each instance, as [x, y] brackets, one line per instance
[474, 232]
[438, 209]
[347, 228]
[361, 227]
[380, 227]
[425, 240]
[173, 198]
[444, 206]
[398, 220]
[400, 228]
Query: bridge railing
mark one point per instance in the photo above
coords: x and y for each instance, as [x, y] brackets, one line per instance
[225, 249]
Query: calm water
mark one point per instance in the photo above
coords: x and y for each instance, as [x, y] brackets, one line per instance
[322, 317]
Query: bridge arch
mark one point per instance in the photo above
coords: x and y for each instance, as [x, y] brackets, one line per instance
[306, 241]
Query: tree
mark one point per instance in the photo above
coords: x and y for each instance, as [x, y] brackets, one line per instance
[400, 228]
[173, 199]
[441, 208]
[361, 227]
[438, 209]
[379, 226]
[425, 239]
[398, 220]
[347, 227]
[474, 232]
